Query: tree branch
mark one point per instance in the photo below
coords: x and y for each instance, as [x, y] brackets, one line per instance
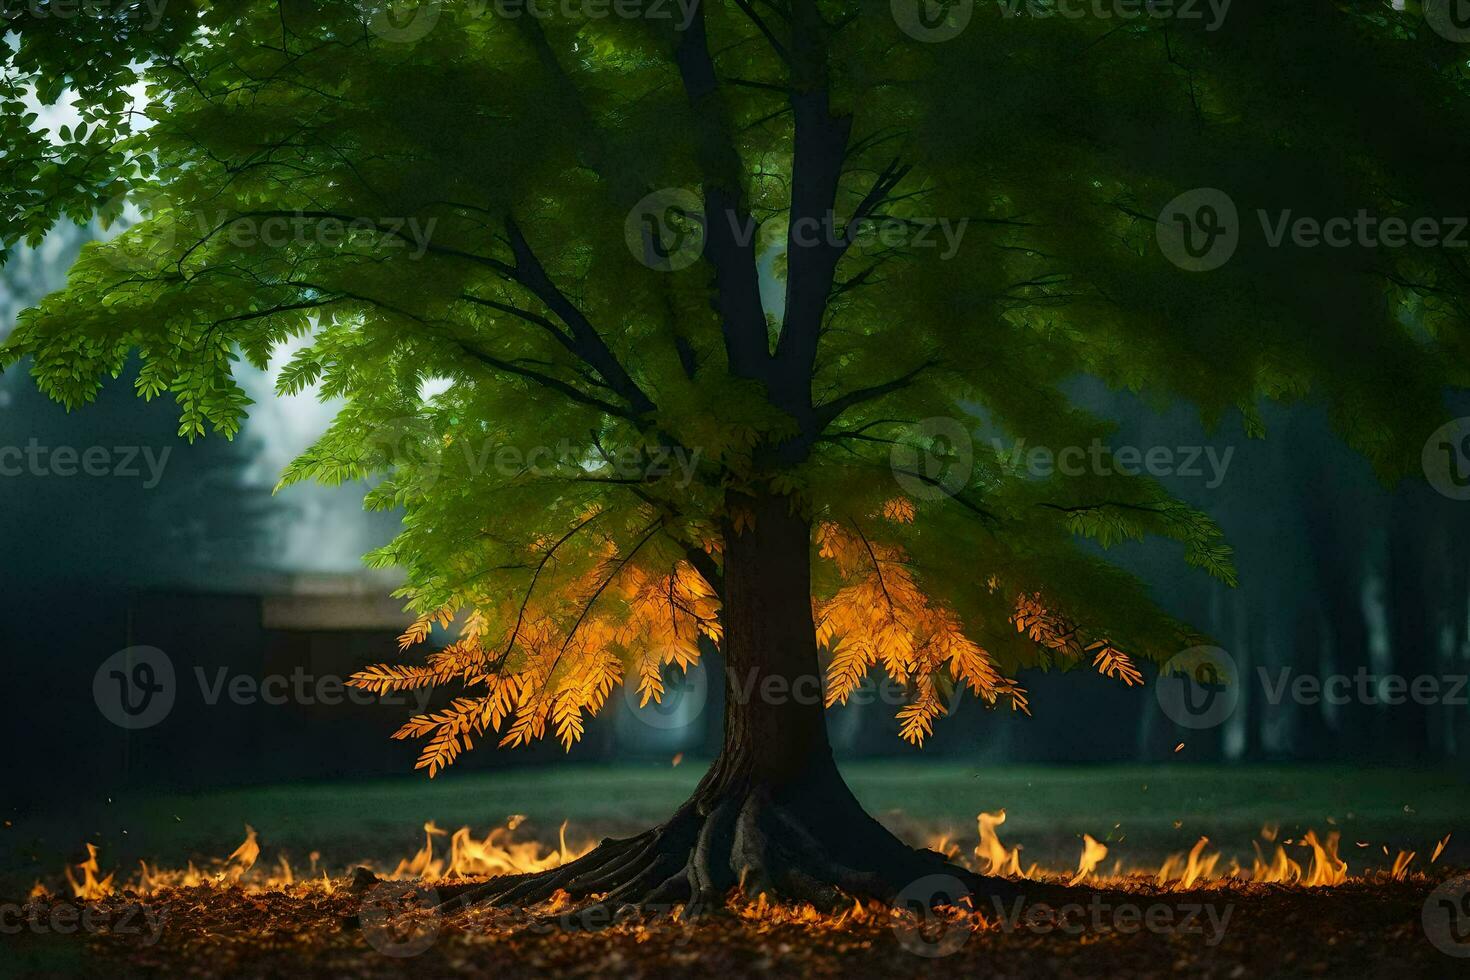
[520, 616]
[766, 32]
[490, 360]
[728, 228]
[831, 410]
[819, 150]
[652, 529]
[588, 344]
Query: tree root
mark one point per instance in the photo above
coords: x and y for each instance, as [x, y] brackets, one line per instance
[747, 845]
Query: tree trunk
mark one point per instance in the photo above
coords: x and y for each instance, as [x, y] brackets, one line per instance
[772, 815]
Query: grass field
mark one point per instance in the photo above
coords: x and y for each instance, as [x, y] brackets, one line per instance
[1143, 813]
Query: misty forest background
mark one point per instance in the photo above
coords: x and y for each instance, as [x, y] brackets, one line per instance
[1337, 573]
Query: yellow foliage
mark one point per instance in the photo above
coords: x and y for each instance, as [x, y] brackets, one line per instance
[1054, 631]
[881, 616]
[558, 664]
[900, 510]
[610, 620]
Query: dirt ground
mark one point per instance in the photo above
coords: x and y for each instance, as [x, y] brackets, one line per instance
[1373, 927]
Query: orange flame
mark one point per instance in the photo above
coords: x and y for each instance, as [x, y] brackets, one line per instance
[90, 888]
[1327, 867]
[1092, 855]
[497, 853]
[1281, 870]
[422, 864]
[998, 860]
[243, 858]
[1194, 867]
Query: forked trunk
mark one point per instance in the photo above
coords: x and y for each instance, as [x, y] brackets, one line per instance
[773, 813]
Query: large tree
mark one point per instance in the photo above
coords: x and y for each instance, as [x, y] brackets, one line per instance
[808, 250]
